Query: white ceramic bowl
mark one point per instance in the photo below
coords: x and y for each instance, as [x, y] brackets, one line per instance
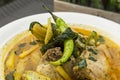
[101, 25]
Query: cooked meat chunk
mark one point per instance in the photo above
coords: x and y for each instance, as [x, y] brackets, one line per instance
[83, 74]
[68, 66]
[47, 69]
[98, 70]
[54, 54]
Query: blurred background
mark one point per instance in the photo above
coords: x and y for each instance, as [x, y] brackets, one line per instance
[11, 10]
[110, 5]
[3, 2]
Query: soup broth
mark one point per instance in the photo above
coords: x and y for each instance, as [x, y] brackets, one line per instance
[26, 56]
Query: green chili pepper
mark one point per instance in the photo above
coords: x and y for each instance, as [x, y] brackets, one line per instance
[68, 49]
[59, 22]
[68, 44]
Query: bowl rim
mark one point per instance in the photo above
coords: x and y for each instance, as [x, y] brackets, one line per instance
[70, 17]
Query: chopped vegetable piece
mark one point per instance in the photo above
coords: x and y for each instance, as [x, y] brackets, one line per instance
[94, 51]
[94, 39]
[68, 49]
[59, 21]
[22, 45]
[61, 24]
[79, 44]
[33, 23]
[25, 53]
[10, 61]
[49, 33]
[92, 58]
[55, 30]
[101, 39]
[68, 43]
[62, 72]
[75, 51]
[31, 75]
[67, 34]
[33, 43]
[82, 63]
[17, 76]
[10, 76]
[37, 30]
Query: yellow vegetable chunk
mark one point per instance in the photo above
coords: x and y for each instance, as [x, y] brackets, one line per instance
[10, 61]
[31, 75]
[25, 53]
[17, 76]
[61, 71]
[49, 33]
[38, 31]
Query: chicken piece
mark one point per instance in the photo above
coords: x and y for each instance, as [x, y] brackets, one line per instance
[48, 70]
[68, 67]
[96, 70]
[113, 56]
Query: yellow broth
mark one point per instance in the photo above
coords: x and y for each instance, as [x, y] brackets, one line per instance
[31, 61]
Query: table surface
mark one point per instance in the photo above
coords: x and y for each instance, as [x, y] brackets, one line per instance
[21, 8]
[68, 7]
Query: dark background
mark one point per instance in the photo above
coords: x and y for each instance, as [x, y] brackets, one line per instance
[4, 2]
[109, 5]
[11, 10]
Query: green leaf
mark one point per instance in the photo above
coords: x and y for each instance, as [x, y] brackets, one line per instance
[94, 51]
[58, 41]
[33, 43]
[75, 51]
[21, 45]
[82, 63]
[10, 76]
[92, 58]
[82, 38]
[101, 39]
[93, 36]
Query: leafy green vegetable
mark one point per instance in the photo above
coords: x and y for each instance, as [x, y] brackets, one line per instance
[39, 41]
[94, 35]
[33, 23]
[101, 39]
[92, 58]
[82, 38]
[21, 45]
[89, 44]
[79, 44]
[54, 28]
[58, 41]
[10, 76]
[67, 34]
[38, 30]
[75, 51]
[33, 43]
[92, 50]
[82, 63]
[94, 39]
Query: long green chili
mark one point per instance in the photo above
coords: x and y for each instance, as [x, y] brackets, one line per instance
[68, 49]
[68, 44]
